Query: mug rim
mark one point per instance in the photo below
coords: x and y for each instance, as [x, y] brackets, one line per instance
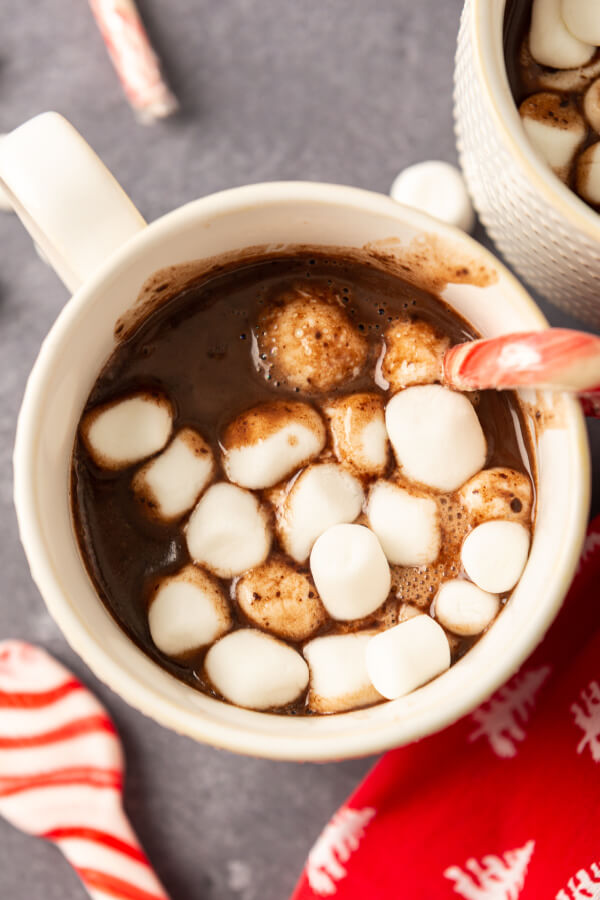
[488, 51]
[144, 696]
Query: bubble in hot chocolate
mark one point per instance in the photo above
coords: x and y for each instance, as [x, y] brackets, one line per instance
[279, 599]
[338, 673]
[128, 429]
[465, 609]
[498, 493]
[555, 128]
[188, 610]
[357, 426]
[551, 41]
[407, 525]
[414, 353]
[269, 442]
[307, 340]
[494, 555]
[171, 484]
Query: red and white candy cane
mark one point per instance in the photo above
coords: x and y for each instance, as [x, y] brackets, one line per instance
[61, 774]
[134, 59]
[557, 359]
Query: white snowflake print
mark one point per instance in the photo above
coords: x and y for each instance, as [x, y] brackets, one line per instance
[590, 546]
[502, 719]
[495, 877]
[587, 717]
[583, 886]
[335, 845]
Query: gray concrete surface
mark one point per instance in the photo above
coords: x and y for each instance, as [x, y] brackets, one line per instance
[336, 91]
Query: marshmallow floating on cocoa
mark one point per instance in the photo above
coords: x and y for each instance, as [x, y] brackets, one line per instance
[498, 493]
[188, 611]
[338, 673]
[555, 128]
[228, 531]
[407, 526]
[308, 341]
[323, 495]
[253, 669]
[436, 188]
[277, 598]
[406, 656]
[464, 608]
[591, 105]
[436, 436]
[582, 18]
[127, 430]
[269, 442]
[414, 353]
[551, 42]
[494, 555]
[360, 440]
[587, 175]
[350, 571]
[171, 484]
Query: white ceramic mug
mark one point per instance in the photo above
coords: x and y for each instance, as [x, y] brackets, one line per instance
[103, 250]
[546, 232]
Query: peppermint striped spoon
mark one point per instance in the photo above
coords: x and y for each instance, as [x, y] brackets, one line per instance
[556, 359]
[61, 774]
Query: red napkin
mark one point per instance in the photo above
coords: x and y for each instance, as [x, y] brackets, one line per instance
[502, 805]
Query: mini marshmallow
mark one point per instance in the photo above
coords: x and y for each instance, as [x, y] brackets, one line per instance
[436, 436]
[269, 442]
[253, 669]
[228, 531]
[550, 41]
[464, 608]
[277, 598]
[323, 495]
[357, 425]
[308, 340]
[494, 555]
[582, 18]
[414, 354]
[171, 484]
[436, 188]
[188, 611]
[497, 493]
[587, 175]
[555, 128]
[407, 656]
[407, 526]
[338, 673]
[350, 571]
[591, 105]
[125, 431]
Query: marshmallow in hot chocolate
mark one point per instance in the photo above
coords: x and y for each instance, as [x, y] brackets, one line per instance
[277, 598]
[338, 673]
[407, 656]
[587, 175]
[357, 426]
[413, 354]
[127, 430]
[171, 484]
[407, 525]
[556, 129]
[494, 554]
[464, 608]
[497, 493]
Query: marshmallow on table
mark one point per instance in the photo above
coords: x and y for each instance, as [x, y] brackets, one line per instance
[309, 341]
[350, 571]
[582, 18]
[494, 555]
[188, 611]
[253, 669]
[414, 353]
[357, 425]
[464, 608]
[591, 105]
[407, 656]
[587, 175]
[277, 598]
[407, 526]
[555, 128]
[498, 493]
[170, 485]
[436, 436]
[228, 531]
[436, 188]
[338, 673]
[127, 430]
[269, 442]
[323, 495]
[550, 41]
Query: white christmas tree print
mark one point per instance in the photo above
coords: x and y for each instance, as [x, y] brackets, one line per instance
[335, 845]
[587, 717]
[495, 877]
[583, 886]
[502, 719]
[590, 546]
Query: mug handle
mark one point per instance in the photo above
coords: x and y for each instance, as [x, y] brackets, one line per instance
[71, 205]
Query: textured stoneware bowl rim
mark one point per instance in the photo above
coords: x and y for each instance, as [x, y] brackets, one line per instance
[486, 40]
[360, 738]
